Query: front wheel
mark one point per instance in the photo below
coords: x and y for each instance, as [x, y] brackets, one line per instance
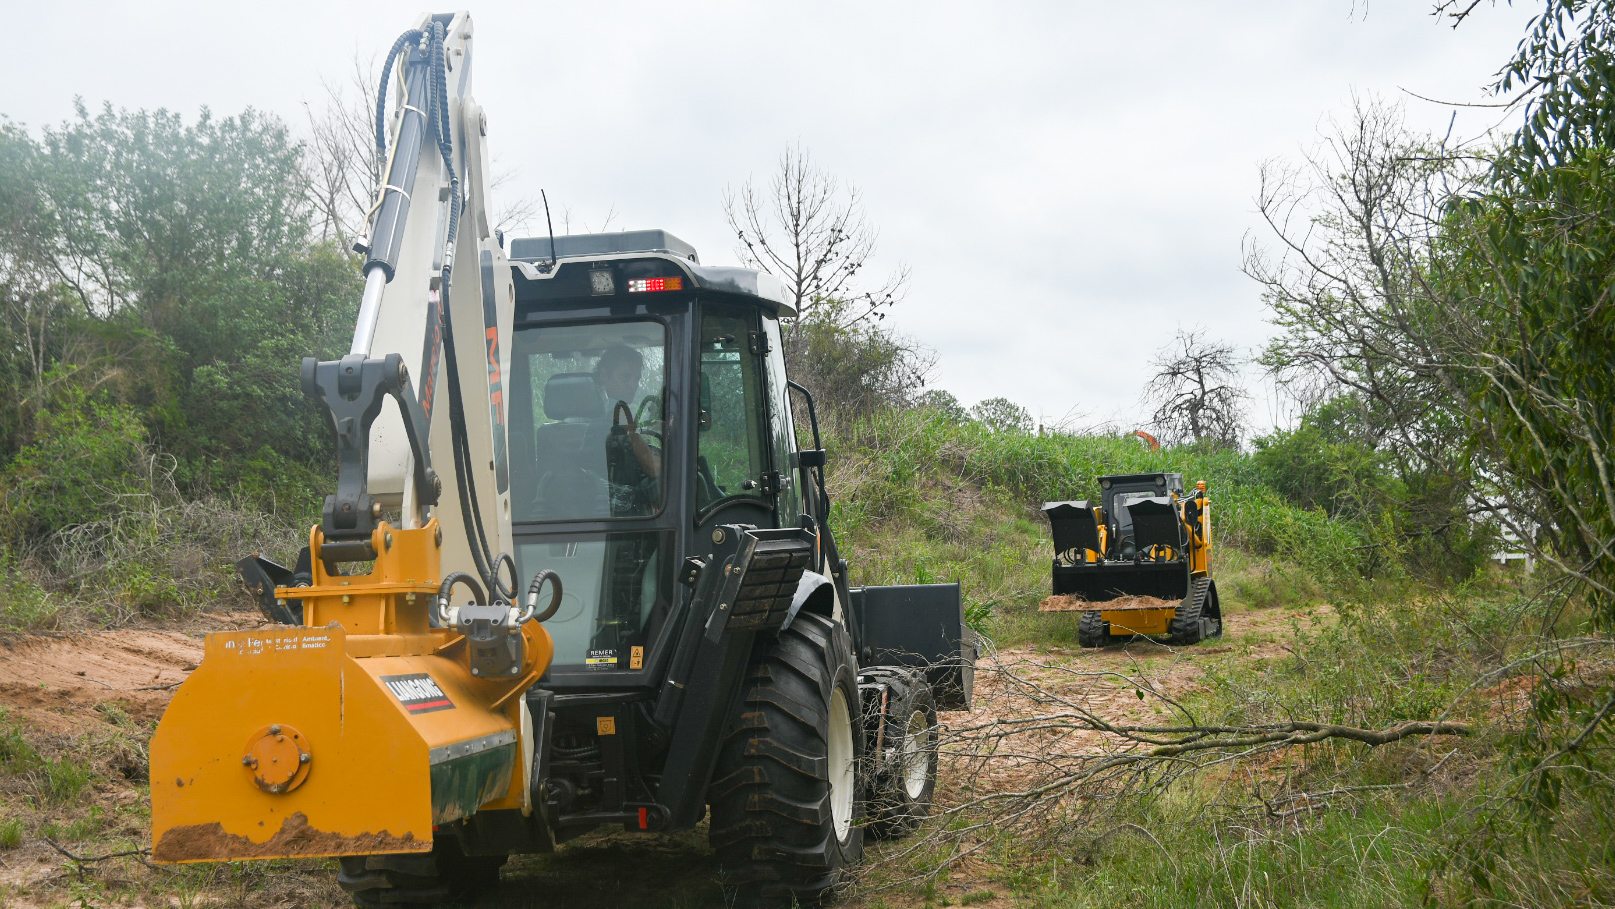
[903, 780]
[784, 801]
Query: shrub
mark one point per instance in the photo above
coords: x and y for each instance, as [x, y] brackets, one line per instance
[84, 455]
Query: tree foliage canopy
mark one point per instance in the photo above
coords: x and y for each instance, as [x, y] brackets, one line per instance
[168, 270]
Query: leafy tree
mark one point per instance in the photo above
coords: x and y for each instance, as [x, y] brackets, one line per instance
[170, 267]
[1002, 415]
[853, 368]
[943, 404]
[1468, 300]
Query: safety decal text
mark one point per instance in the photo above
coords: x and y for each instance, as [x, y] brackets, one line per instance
[601, 659]
[417, 692]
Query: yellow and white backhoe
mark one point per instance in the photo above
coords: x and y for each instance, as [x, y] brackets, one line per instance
[577, 570]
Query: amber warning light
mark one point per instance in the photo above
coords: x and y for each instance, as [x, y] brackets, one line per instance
[651, 285]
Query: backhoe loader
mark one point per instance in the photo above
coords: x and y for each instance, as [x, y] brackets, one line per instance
[577, 570]
[1136, 563]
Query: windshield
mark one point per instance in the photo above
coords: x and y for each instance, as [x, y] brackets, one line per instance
[615, 594]
[587, 420]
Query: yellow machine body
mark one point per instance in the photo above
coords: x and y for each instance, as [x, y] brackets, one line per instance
[1138, 621]
[352, 734]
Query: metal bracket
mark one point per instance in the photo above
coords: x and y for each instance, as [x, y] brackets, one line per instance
[352, 389]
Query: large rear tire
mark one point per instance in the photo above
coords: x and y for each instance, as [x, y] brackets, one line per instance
[785, 817]
[902, 780]
[418, 878]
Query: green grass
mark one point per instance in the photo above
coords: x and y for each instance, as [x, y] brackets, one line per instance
[11, 830]
[65, 778]
[919, 499]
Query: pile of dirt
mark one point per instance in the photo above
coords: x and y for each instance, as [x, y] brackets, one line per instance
[1069, 603]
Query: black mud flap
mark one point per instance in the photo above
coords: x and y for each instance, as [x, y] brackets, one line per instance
[920, 625]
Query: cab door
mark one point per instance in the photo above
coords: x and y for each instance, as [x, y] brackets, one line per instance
[784, 478]
[734, 461]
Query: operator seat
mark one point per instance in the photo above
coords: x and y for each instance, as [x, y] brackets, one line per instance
[570, 460]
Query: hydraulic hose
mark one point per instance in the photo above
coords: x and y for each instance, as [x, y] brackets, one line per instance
[445, 590]
[435, 113]
[531, 611]
[407, 39]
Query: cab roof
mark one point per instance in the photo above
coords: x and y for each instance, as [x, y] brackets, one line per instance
[539, 259]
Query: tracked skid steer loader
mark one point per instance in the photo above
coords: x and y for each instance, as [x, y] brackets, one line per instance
[1137, 563]
[577, 571]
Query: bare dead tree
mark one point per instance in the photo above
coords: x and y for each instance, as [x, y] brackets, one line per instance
[809, 230]
[341, 167]
[1196, 390]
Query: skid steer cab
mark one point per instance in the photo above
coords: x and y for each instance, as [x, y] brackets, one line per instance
[691, 647]
[1138, 563]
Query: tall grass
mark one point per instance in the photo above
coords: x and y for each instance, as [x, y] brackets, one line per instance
[151, 552]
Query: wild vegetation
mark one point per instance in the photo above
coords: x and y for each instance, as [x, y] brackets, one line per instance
[1443, 315]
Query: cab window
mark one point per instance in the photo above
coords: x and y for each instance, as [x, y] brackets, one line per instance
[587, 434]
[730, 459]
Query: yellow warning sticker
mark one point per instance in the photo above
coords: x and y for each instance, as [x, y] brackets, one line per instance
[636, 658]
[605, 725]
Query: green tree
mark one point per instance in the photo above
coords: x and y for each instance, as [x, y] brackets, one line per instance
[1002, 415]
[172, 266]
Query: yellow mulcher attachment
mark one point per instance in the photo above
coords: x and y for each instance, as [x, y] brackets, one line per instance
[354, 733]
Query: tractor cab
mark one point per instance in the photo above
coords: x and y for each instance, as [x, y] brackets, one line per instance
[648, 407]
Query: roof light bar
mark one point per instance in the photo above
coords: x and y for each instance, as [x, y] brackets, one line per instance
[653, 285]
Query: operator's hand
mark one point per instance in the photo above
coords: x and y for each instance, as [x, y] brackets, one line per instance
[649, 461]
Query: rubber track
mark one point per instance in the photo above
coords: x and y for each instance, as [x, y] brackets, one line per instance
[771, 824]
[1186, 628]
[1093, 630]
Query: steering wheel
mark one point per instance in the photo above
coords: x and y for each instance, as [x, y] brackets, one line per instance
[649, 458]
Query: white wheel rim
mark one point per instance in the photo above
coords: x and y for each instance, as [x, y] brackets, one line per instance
[916, 764]
[841, 761]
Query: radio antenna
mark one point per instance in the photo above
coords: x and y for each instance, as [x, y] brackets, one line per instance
[551, 223]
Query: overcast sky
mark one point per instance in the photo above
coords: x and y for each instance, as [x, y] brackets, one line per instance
[1070, 182]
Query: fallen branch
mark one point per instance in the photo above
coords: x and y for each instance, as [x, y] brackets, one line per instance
[1303, 733]
[85, 860]
[80, 861]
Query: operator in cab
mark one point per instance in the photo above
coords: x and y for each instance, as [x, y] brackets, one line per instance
[634, 468]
